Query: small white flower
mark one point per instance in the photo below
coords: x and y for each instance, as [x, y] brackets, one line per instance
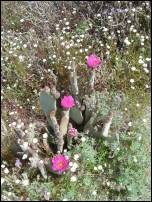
[68, 53]
[45, 135]
[54, 56]
[69, 67]
[67, 23]
[21, 58]
[17, 181]
[126, 41]
[100, 167]
[67, 47]
[139, 138]
[73, 169]
[76, 157]
[73, 179]
[94, 193]
[29, 65]
[146, 70]
[95, 168]
[44, 60]
[2, 180]
[135, 159]
[35, 45]
[144, 120]
[98, 15]
[131, 80]
[137, 104]
[129, 21]
[146, 86]
[75, 165]
[24, 156]
[140, 61]
[148, 59]
[33, 107]
[25, 182]
[35, 140]
[132, 87]
[105, 29]
[71, 164]
[144, 65]
[83, 139]
[133, 68]
[65, 199]
[6, 171]
[19, 126]
[25, 145]
[2, 166]
[126, 109]
[24, 46]
[108, 184]
[21, 20]
[14, 123]
[130, 124]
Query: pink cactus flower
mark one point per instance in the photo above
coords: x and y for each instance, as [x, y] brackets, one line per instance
[93, 61]
[67, 102]
[72, 132]
[59, 163]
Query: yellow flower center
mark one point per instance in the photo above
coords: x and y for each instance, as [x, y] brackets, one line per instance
[60, 164]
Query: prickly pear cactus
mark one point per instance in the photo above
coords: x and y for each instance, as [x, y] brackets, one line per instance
[48, 104]
[76, 115]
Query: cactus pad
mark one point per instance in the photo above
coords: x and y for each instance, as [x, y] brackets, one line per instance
[76, 115]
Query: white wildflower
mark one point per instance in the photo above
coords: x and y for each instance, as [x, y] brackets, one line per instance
[35, 140]
[94, 193]
[45, 135]
[83, 139]
[21, 20]
[133, 68]
[21, 58]
[2, 180]
[6, 171]
[24, 156]
[100, 167]
[73, 179]
[146, 70]
[76, 157]
[144, 120]
[25, 182]
[130, 124]
[137, 104]
[17, 181]
[131, 80]
[35, 45]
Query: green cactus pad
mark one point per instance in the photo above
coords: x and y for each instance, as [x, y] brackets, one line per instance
[47, 102]
[76, 115]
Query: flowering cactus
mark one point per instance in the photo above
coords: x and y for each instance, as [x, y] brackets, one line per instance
[93, 61]
[72, 132]
[59, 163]
[67, 102]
